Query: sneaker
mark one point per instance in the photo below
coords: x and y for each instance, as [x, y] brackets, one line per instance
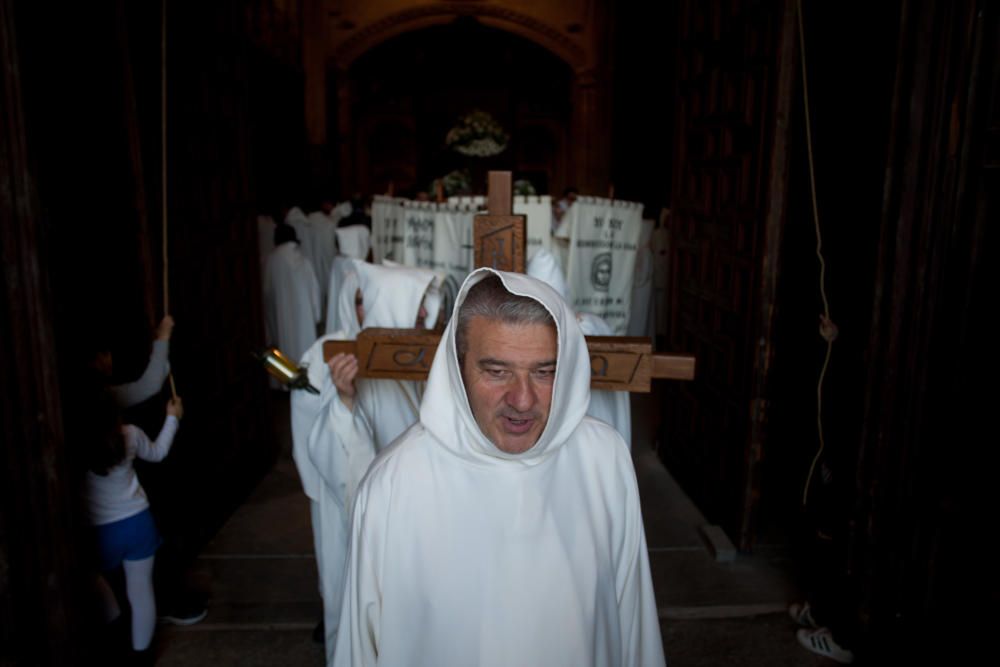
[801, 613]
[185, 615]
[820, 642]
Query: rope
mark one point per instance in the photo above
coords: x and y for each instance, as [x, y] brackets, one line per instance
[827, 329]
[163, 151]
[163, 171]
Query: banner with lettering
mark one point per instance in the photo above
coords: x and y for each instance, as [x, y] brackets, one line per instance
[603, 240]
[387, 229]
[427, 235]
[418, 233]
[453, 251]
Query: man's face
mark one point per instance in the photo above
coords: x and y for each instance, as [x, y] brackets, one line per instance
[508, 371]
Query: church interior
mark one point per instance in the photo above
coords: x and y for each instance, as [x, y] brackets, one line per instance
[820, 174]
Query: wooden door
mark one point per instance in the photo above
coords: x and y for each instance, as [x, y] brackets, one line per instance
[735, 72]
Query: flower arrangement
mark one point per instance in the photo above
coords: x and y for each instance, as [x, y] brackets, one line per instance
[477, 134]
[457, 182]
[524, 188]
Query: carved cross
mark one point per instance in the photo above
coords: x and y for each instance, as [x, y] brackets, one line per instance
[499, 235]
[617, 363]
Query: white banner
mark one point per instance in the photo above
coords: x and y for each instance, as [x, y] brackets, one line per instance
[426, 235]
[453, 252]
[418, 234]
[387, 230]
[604, 238]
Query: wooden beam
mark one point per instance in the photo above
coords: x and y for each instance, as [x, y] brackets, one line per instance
[618, 363]
[498, 199]
[499, 236]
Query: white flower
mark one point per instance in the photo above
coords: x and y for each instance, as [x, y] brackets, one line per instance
[477, 134]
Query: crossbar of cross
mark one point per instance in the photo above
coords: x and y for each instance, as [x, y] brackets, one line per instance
[617, 363]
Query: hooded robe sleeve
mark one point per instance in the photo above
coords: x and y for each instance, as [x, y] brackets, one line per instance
[361, 613]
[640, 624]
[333, 457]
[341, 445]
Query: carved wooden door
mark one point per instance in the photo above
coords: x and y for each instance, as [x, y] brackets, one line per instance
[733, 89]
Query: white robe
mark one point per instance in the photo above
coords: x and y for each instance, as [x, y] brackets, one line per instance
[462, 554]
[354, 241]
[298, 220]
[341, 442]
[343, 280]
[392, 297]
[323, 230]
[613, 407]
[306, 407]
[291, 300]
[330, 468]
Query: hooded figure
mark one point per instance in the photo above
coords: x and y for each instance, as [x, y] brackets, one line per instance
[323, 232]
[299, 221]
[504, 528]
[354, 241]
[343, 276]
[330, 478]
[291, 295]
[614, 407]
[333, 441]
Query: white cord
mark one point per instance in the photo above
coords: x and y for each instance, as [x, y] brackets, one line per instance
[826, 325]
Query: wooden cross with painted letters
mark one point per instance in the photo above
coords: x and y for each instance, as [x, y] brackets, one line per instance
[617, 363]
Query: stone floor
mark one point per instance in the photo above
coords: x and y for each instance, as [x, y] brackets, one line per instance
[261, 575]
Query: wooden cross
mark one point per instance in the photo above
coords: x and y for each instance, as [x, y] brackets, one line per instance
[617, 363]
[499, 235]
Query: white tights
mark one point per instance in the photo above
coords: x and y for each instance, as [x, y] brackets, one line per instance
[139, 588]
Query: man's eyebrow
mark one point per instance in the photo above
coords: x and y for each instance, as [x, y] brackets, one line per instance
[490, 361]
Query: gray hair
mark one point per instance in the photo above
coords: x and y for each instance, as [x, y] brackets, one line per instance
[490, 299]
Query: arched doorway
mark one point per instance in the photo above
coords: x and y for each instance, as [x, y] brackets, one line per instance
[407, 92]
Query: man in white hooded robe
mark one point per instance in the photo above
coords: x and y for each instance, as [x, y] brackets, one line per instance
[504, 528]
[395, 297]
[331, 480]
[351, 420]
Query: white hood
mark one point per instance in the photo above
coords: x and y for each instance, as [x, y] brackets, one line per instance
[545, 267]
[346, 313]
[445, 410]
[432, 297]
[393, 295]
[295, 216]
[354, 241]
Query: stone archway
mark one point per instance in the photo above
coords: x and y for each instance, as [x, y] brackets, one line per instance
[407, 19]
[577, 35]
[416, 80]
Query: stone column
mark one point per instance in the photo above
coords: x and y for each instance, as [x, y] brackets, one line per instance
[590, 136]
[314, 69]
[345, 132]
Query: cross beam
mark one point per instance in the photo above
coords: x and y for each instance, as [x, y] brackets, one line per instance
[617, 363]
[499, 235]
